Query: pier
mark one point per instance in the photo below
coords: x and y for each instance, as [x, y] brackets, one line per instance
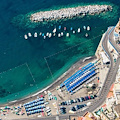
[69, 12]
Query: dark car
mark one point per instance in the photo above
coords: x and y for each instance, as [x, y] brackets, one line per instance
[78, 106]
[73, 109]
[95, 95]
[83, 99]
[78, 99]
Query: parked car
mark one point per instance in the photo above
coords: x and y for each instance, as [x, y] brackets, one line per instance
[73, 109]
[78, 99]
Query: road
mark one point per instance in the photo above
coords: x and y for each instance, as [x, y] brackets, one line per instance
[110, 79]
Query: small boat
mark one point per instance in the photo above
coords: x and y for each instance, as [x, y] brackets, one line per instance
[26, 37]
[86, 35]
[65, 28]
[50, 34]
[73, 31]
[47, 34]
[88, 28]
[29, 34]
[40, 34]
[59, 35]
[54, 30]
[71, 28]
[84, 27]
[35, 34]
[78, 30]
[67, 35]
[43, 34]
[59, 27]
[44, 37]
[54, 34]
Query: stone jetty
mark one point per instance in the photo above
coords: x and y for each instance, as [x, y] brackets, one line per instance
[69, 12]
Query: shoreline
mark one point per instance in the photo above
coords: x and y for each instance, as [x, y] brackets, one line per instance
[64, 13]
[53, 85]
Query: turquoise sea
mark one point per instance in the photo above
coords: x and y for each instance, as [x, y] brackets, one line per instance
[24, 63]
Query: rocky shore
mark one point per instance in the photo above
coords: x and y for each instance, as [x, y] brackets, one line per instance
[69, 12]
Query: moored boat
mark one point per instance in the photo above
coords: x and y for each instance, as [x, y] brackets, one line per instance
[73, 31]
[84, 27]
[25, 36]
[88, 28]
[35, 34]
[54, 30]
[59, 35]
[78, 30]
[86, 35]
[67, 35]
[29, 34]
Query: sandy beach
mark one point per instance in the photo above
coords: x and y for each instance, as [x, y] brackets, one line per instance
[63, 77]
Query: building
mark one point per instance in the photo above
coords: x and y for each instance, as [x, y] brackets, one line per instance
[117, 31]
[105, 58]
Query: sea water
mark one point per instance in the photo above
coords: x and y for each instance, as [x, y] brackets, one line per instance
[28, 66]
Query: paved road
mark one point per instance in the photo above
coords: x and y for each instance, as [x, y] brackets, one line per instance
[110, 78]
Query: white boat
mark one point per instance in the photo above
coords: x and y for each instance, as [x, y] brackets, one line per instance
[54, 30]
[54, 34]
[86, 35]
[88, 28]
[78, 30]
[47, 34]
[25, 36]
[61, 33]
[35, 34]
[50, 35]
[73, 32]
[29, 34]
[67, 35]
[40, 34]
[44, 37]
[84, 27]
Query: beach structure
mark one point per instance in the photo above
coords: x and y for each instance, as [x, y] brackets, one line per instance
[68, 12]
[35, 106]
[25, 36]
[74, 82]
[117, 31]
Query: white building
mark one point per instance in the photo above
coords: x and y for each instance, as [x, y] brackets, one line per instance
[117, 31]
[105, 58]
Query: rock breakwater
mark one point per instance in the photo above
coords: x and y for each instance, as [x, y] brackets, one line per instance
[69, 12]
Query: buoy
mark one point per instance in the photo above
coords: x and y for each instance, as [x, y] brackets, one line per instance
[84, 27]
[40, 34]
[64, 28]
[61, 33]
[54, 30]
[59, 27]
[71, 28]
[35, 34]
[86, 35]
[88, 28]
[73, 32]
[29, 34]
[67, 35]
[78, 30]
[26, 37]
